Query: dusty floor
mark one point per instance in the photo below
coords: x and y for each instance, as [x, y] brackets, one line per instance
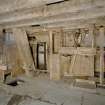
[42, 91]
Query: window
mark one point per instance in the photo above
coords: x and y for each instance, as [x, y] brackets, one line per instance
[9, 38]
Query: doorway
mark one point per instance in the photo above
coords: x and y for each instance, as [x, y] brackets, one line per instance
[41, 56]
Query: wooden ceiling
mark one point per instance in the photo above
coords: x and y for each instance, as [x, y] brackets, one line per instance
[51, 13]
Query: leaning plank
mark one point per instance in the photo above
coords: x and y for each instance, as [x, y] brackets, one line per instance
[24, 49]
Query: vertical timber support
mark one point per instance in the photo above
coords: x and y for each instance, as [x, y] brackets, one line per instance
[54, 61]
[51, 55]
[61, 73]
[101, 66]
[101, 55]
[91, 33]
[24, 50]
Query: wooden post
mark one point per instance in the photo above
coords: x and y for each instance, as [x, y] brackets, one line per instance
[91, 33]
[54, 61]
[101, 65]
[50, 50]
[101, 55]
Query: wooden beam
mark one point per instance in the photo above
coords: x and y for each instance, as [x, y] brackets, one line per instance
[79, 23]
[68, 6]
[88, 14]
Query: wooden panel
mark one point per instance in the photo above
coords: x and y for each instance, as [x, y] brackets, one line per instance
[65, 64]
[56, 71]
[83, 66]
[56, 42]
[67, 39]
[82, 60]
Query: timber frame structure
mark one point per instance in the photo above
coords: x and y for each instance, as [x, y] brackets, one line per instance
[62, 38]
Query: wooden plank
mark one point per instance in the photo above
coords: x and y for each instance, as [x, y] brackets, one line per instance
[24, 49]
[83, 66]
[73, 60]
[79, 51]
